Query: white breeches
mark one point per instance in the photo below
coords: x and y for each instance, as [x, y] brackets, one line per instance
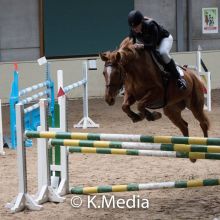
[165, 47]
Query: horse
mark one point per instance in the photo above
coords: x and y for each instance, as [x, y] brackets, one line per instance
[137, 71]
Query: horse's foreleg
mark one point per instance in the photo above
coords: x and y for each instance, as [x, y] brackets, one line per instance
[152, 116]
[128, 101]
[144, 113]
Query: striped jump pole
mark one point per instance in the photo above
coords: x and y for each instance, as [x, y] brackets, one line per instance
[148, 153]
[145, 186]
[135, 145]
[124, 137]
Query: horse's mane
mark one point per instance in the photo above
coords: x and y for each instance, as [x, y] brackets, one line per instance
[124, 54]
[127, 49]
[126, 42]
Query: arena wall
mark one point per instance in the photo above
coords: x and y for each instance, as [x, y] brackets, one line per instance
[31, 73]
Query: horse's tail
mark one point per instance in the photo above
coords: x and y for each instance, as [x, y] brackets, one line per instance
[198, 97]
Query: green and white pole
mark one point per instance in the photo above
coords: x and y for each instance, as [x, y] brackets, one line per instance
[145, 186]
[125, 137]
[148, 153]
[136, 145]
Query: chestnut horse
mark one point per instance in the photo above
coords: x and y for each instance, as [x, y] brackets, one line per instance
[141, 77]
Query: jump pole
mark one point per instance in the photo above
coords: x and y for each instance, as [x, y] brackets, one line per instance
[124, 137]
[145, 186]
[135, 145]
[148, 153]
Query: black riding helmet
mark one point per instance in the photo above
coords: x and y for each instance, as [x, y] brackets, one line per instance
[134, 18]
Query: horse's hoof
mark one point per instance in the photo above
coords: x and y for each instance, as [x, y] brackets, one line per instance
[156, 115]
[136, 118]
[150, 116]
[153, 116]
[192, 160]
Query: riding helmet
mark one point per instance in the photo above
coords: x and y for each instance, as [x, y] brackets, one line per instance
[134, 18]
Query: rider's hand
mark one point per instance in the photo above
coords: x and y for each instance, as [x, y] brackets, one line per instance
[138, 46]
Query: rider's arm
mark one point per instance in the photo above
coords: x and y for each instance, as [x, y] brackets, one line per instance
[131, 36]
[153, 36]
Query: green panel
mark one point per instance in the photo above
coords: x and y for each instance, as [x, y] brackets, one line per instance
[57, 115]
[85, 27]
[57, 159]
[56, 149]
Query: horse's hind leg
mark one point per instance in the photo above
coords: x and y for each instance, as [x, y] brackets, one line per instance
[174, 114]
[200, 115]
[197, 107]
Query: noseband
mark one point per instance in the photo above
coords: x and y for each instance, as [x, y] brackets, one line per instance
[121, 73]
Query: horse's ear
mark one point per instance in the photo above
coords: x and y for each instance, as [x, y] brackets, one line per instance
[103, 56]
[118, 57]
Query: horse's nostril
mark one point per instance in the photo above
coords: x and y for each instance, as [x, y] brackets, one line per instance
[112, 101]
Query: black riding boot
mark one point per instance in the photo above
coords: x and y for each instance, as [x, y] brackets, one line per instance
[181, 82]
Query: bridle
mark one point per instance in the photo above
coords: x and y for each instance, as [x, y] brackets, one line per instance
[122, 75]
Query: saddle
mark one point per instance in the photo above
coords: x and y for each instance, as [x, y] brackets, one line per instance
[165, 75]
[161, 65]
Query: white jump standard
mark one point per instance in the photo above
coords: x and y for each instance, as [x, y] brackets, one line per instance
[85, 122]
[46, 193]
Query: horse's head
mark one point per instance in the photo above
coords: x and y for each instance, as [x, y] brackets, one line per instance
[114, 75]
[115, 68]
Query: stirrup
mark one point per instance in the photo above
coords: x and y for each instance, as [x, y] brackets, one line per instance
[122, 91]
[181, 84]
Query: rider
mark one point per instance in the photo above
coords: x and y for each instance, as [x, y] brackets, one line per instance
[147, 34]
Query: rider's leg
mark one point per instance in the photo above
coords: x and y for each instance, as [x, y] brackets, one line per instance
[164, 49]
[181, 83]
